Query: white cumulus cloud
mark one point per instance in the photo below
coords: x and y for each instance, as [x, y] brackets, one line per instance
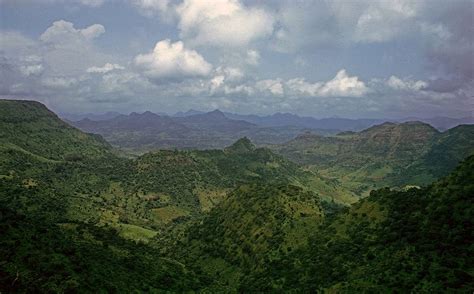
[172, 61]
[222, 22]
[275, 87]
[342, 85]
[406, 84]
[64, 32]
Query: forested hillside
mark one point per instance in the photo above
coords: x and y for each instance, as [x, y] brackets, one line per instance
[406, 154]
[29, 127]
[419, 240]
[76, 216]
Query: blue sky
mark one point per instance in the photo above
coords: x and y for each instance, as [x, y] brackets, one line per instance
[361, 58]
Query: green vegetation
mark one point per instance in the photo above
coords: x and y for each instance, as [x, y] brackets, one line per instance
[41, 256]
[254, 226]
[414, 241]
[389, 154]
[77, 217]
[28, 126]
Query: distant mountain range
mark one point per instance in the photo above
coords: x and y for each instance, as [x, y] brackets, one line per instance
[289, 119]
[76, 216]
[91, 116]
[443, 123]
[140, 132]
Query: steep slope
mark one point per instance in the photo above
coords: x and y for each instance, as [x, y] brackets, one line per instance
[419, 240]
[198, 180]
[29, 127]
[238, 219]
[94, 204]
[411, 153]
[57, 211]
[255, 225]
[449, 148]
[140, 197]
[44, 251]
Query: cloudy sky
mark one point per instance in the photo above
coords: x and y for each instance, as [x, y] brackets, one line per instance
[367, 58]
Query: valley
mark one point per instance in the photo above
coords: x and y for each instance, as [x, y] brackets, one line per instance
[236, 146]
[138, 133]
[311, 212]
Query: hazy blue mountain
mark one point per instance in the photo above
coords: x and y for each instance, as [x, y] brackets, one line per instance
[214, 121]
[188, 113]
[444, 123]
[289, 119]
[95, 116]
[91, 116]
[343, 124]
[144, 122]
[75, 217]
[141, 132]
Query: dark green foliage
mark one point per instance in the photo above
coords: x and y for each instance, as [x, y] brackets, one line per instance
[411, 153]
[66, 198]
[178, 173]
[40, 256]
[423, 243]
[255, 225]
[28, 126]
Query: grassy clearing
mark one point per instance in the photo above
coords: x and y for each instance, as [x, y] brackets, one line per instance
[169, 213]
[208, 198]
[135, 233]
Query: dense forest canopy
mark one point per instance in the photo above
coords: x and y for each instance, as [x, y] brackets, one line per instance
[78, 215]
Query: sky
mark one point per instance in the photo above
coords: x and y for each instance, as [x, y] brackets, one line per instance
[346, 58]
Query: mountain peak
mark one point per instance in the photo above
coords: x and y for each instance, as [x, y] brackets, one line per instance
[415, 123]
[242, 145]
[216, 113]
[144, 114]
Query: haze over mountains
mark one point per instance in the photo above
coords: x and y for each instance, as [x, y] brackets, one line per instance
[236, 146]
[139, 132]
[82, 217]
[148, 131]
[288, 119]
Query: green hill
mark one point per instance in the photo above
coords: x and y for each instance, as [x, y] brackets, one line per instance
[418, 241]
[29, 127]
[138, 197]
[96, 201]
[252, 227]
[75, 217]
[389, 154]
